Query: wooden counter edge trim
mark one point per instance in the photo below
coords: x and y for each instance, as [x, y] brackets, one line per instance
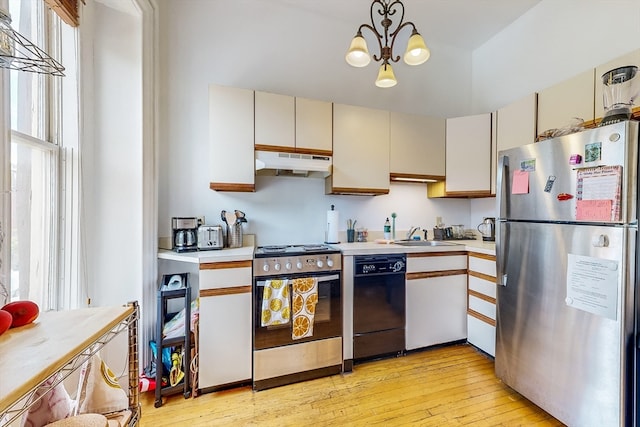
[225, 291]
[429, 254]
[483, 256]
[225, 264]
[430, 274]
[482, 296]
[293, 150]
[481, 317]
[225, 186]
[359, 191]
[482, 276]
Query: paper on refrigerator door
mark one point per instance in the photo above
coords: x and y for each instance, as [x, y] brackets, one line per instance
[592, 285]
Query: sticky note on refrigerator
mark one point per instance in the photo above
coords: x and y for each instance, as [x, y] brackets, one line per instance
[520, 182]
[593, 210]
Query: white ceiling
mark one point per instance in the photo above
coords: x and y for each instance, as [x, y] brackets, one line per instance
[466, 24]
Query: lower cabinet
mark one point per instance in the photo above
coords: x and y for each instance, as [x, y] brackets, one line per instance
[225, 349]
[481, 294]
[436, 298]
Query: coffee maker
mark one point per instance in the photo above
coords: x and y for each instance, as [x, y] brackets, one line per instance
[185, 234]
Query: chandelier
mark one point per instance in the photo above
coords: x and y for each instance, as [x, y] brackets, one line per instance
[415, 54]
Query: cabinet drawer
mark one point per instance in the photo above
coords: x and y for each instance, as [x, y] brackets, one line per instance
[482, 286]
[225, 278]
[417, 264]
[483, 307]
[482, 335]
[482, 265]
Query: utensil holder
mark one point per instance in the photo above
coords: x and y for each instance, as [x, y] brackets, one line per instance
[234, 235]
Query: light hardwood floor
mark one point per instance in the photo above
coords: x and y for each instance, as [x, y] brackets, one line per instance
[447, 386]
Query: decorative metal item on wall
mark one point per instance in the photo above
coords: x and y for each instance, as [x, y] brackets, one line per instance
[18, 53]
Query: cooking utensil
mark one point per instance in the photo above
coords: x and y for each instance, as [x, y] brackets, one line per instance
[239, 214]
[223, 216]
[231, 218]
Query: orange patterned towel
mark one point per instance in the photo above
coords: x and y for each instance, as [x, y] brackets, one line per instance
[305, 298]
[275, 303]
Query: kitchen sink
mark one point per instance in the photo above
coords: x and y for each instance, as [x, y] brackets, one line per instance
[423, 243]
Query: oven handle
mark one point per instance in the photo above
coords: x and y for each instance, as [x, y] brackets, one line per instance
[320, 279]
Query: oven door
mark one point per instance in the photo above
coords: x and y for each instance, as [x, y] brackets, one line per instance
[327, 319]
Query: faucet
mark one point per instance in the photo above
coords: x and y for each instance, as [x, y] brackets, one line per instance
[411, 231]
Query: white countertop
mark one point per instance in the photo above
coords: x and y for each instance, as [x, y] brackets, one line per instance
[236, 254]
[368, 248]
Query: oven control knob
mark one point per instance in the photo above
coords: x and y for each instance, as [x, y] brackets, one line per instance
[319, 263]
[276, 266]
[265, 267]
[299, 265]
[329, 262]
[288, 265]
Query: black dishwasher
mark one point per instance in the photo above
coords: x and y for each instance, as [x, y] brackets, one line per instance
[378, 305]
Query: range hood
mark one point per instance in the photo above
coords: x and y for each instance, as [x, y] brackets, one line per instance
[292, 164]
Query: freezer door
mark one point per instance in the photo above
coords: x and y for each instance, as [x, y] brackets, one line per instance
[565, 318]
[546, 185]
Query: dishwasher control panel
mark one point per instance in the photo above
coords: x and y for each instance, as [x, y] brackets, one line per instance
[380, 264]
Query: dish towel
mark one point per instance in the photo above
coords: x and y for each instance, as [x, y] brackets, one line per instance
[305, 298]
[275, 303]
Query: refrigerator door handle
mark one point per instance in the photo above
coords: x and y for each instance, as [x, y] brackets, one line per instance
[502, 231]
[502, 252]
[502, 185]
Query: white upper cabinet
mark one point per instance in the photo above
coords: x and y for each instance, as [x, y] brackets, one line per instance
[314, 126]
[417, 146]
[275, 120]
[360, 151]
[558, 105]
[468, 153]
[231, 128]
[516, 123]
[632, 58]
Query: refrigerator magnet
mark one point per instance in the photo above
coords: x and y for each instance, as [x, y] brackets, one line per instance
[528, 165]
[575, 159]
[593, 152]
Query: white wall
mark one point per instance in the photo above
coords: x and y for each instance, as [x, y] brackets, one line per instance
[553, 41]
[211, 42]
[112, 156]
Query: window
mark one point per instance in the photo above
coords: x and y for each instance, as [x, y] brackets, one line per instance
[38, 176]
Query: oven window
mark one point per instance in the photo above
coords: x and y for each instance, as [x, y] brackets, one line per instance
[327, 319]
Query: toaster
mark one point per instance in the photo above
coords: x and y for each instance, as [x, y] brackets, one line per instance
[210, 237]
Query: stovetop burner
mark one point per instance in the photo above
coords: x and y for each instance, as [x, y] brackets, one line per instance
[270, 250]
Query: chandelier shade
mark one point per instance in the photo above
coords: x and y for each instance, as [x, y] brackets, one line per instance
[385, 32]
[358, 54]
[386, 78]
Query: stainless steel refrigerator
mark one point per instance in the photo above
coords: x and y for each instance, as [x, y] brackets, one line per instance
[566, 246]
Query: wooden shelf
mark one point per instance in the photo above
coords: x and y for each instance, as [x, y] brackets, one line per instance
[60, 342]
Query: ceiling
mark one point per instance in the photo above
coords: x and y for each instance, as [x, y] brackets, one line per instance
[466, 24]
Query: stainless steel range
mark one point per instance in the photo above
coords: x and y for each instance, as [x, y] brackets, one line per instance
[297, 306]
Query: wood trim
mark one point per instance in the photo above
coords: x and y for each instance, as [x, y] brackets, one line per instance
[433, 254]
[431, 274]
[293, 150]
[482, 276]
[481, 317]
[67, 10]
[483, 256]
[482, 296]
[225, 291]
[226, 186]
[405, 176]
[225, 264]
[359, 191]
[484, 193]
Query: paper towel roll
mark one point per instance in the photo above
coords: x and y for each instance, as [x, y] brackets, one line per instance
[333, 219]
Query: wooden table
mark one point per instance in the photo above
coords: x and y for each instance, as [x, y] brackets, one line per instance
[60, 341]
